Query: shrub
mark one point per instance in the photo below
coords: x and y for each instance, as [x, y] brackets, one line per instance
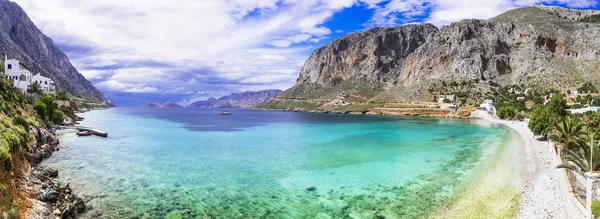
[57, 116]
[22, 121]
[40, 109]
[62, 95]
[5, 157]
[596, 208]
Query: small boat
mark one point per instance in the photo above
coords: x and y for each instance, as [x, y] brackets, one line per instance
[84, 133]
[225, 113]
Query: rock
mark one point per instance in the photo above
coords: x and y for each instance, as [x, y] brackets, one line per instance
[51, 172]
[410, 62]
[311, 188]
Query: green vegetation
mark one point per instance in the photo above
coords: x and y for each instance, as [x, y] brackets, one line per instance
[567, 132]
[584, 156]
[47, 109]
[587, 88]
[22, 121]
[543, 117]
[40, 109]
[34, 88]
[591, 19]
[62, 95]
[596, 208]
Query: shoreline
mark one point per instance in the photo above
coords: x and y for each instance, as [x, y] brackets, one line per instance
[520, 180]
[545, 192]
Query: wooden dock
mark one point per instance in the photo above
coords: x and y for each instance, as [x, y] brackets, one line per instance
[92, 130]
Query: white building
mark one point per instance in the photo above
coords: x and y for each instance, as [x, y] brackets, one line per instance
[46, 84]
[583, 110]
[441, 98]
[520, 98]
[21, 77]
[487, 105]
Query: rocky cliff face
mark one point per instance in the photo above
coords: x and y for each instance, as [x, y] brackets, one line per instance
[238, 100]
[21, 39]
[161, 105]
[539, 47]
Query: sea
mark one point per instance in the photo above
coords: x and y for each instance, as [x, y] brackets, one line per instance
[196, 163]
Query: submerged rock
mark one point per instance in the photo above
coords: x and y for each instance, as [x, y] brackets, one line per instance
[311, 188]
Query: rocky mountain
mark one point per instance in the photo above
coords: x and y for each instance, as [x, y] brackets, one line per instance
[161, 105]
[538, 47]
[21, 39]
[246, 99]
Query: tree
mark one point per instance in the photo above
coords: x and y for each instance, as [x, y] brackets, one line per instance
[507, 112]
[567, 132]
[540, 121]
[591, 120]
[34, 88]
[40, 109]
[51, 105]
[58, 117]
[584, 159]
[1, 66]
[557, 106]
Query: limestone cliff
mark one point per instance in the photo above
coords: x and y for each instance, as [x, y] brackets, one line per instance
[539, 47]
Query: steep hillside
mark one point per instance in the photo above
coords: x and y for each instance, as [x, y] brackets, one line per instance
[21, 39]
[246, 99]
[161, 105]
[539, 47]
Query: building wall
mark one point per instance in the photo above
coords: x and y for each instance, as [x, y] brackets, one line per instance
[44, 82]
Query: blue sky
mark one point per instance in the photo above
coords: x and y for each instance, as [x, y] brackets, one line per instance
[188, 50]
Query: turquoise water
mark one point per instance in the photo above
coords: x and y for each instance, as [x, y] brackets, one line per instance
[192, 163]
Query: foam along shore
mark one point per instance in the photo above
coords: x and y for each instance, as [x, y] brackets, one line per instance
[521, 180]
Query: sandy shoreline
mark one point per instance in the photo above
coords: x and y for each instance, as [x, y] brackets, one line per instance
[545, 192]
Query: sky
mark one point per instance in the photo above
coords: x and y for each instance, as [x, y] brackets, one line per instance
[136, 51]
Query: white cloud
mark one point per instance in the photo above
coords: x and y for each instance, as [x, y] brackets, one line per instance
[182, 46]
[144, 43]
[444, 12]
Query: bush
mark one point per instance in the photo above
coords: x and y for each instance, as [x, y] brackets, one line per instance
[576, 106]
[596, 208]
[5, 157]
[58, 117]
[40, 109]
[22, 121]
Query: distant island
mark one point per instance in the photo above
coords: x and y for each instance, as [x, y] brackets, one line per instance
[246, 99]
[165, 104]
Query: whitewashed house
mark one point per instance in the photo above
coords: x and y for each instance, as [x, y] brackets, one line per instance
[520, 98]
[21, 77]
[441, 98]
[46, 84]
[487, 105]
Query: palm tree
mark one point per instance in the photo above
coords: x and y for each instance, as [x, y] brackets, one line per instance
[567, 132]
[584, 159]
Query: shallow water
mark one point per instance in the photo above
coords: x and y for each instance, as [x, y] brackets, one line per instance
[196, 163]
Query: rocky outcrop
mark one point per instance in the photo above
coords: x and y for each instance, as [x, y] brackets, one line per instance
[238, 100]
[538, 47]
[21, 39]
[161, 105]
